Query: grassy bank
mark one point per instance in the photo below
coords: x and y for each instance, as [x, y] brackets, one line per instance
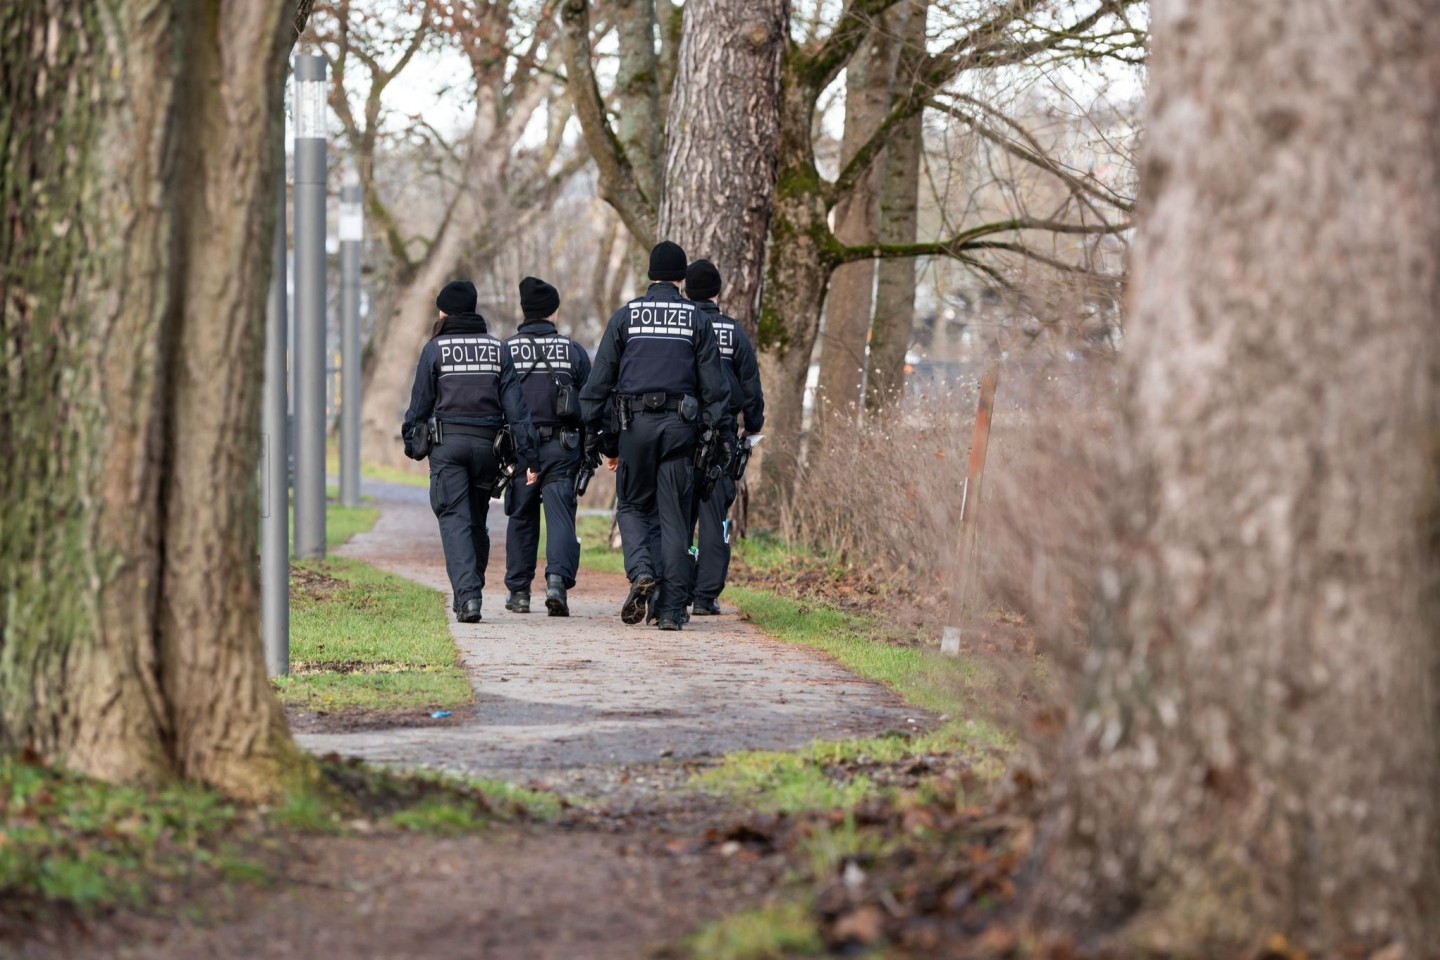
[71, 844]
[364, 639]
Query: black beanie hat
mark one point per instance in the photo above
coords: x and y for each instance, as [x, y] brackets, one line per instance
[457, 296]
[702, 281]
[667, 261]
[538, 299]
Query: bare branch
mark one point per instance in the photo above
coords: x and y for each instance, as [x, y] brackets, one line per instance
[1032, 152]
[617, 177]
[817, 67]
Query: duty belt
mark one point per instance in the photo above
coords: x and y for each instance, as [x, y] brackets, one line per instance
[551, 431]
[465, 429]
[637, 403]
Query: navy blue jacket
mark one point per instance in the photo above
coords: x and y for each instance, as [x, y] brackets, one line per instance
[543, 360]
[742, 369]
[660, 342]
[465, 375]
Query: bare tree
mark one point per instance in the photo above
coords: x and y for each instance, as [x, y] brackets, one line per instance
[803, 251]
[139, 149]
[476, 192]
[1255, 743]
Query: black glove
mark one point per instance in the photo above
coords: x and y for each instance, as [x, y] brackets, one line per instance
[417, 442]
[600, 443]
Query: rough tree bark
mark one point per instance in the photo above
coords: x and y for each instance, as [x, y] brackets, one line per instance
[720, 161]
[1255, 745]
[136, 189]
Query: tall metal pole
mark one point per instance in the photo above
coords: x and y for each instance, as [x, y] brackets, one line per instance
[275, 464]
[309, 306]
[352, 232]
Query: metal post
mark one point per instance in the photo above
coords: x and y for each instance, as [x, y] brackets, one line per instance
[352, 232]
[309, 306]
[275, 464]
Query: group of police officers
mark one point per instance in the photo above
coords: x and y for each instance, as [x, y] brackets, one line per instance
[672, 394]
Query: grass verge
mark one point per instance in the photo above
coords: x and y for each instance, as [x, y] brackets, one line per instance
[840, 774]
[362, 638]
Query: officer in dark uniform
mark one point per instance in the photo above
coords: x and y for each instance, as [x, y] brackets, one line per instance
[659, 358]
[742, 372]
[465, 382]
[552, 369]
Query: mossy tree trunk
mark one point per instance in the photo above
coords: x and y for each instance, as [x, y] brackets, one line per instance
[136, 142]
[1255, 747]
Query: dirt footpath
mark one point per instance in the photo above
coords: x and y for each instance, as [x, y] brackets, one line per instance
[617, 716]
[567, 700]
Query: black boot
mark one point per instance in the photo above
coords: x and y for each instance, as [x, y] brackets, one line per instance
[555, 600]
[705, 608]
[469, 611]
[518, 601]
[637, 603]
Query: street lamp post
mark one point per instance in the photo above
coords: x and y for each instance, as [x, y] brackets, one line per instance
[309, 360]
[352, 233]
[275, 463]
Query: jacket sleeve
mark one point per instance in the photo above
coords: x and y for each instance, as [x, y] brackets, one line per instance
[422, 393]
[517, 414]
[747, 368]
[714, 385]
[582, 365]
[603, 374]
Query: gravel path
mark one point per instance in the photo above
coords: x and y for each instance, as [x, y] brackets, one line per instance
[571, 700]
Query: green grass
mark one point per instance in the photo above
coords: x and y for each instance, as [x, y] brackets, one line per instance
[595, 552]
[67, 839]
[360, 637]
[768, 933]
[818, 777]
[341, 523]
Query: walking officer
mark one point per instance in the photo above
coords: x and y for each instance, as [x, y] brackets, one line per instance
[742, 372]
[659, 358]
[465, 392]
[552, 369]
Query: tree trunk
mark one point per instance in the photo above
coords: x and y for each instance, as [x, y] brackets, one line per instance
[899, 223]
[801, 257]
[850, 300]
[1255, 745]
[724, 126]
[138, 170]
[639, 122]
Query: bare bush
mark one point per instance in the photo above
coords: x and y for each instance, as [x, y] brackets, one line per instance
[887, 495]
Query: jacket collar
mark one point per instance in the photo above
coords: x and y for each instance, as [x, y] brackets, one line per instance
[537, 328]
[462, 323]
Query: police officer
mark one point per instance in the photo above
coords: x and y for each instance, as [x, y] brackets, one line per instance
[465, 382]
[659, 358]
[742, 372]
[552, 369]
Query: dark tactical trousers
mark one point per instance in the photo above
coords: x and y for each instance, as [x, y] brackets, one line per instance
[555, 493]
[462, 471]
[655, 483]
[712, 565]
